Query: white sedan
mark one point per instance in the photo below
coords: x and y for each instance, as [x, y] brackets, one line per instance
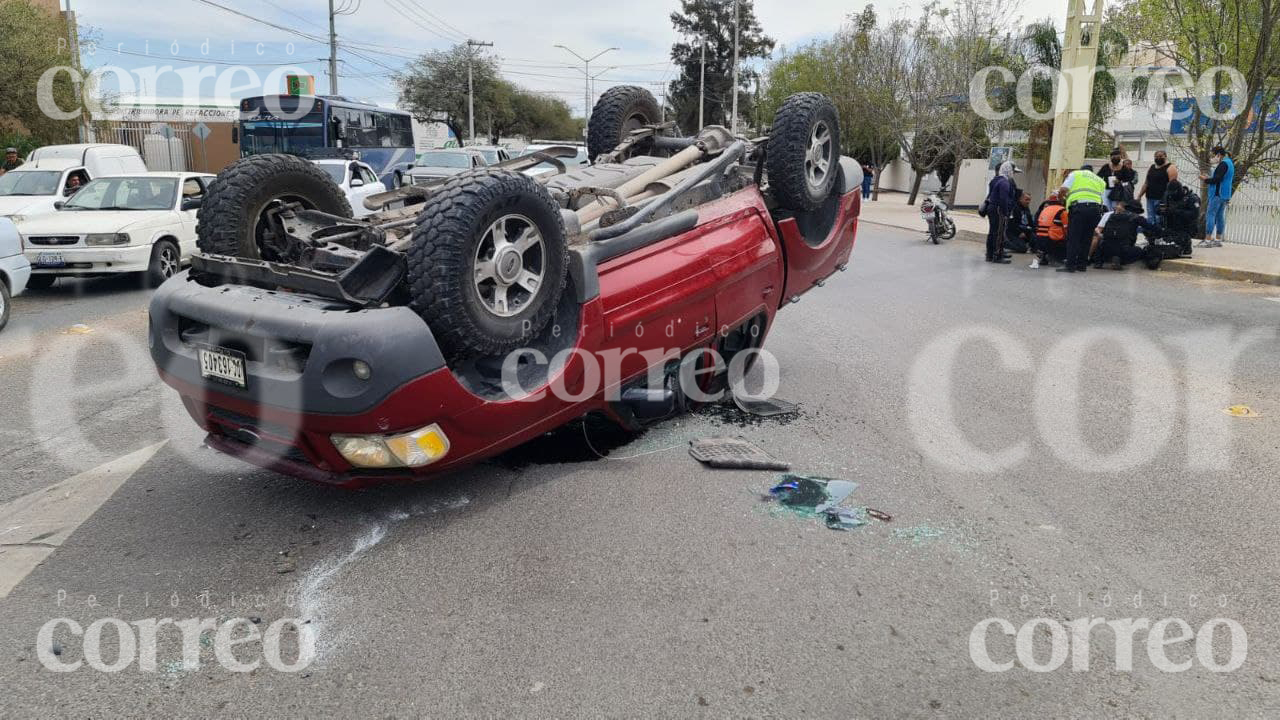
[14, 268]
[121, 224]
[357, 180]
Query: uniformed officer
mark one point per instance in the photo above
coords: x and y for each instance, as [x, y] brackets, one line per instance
[1083, 190]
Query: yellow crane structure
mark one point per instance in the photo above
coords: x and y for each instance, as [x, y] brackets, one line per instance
[1079, 60]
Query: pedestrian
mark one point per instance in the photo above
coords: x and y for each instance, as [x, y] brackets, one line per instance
[1220, 186]
[1159, 175]
[1000, 203]
[867, 174]
[11, 160]
[1051, 232]
[1083, 190]
[1111, 174]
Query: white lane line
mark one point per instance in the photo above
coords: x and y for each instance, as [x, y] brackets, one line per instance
[1274, 299]
[35, 525]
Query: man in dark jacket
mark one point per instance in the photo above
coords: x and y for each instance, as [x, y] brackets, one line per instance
[1116, 237]
[11, 161]
[1180, 212]
[1001, 202]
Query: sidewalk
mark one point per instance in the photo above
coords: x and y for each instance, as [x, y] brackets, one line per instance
[1247, 263]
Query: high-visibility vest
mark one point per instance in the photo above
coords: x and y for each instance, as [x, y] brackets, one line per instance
[1047, 228]
[1086, 187]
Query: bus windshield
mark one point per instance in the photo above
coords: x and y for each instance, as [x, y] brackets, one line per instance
[282, 136]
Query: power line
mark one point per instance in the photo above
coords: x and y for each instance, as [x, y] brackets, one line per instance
[438, 19]
[260, 21]
[211, 61]
[413, 15]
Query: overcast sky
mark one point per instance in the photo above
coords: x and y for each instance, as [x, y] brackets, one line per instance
[388, 32]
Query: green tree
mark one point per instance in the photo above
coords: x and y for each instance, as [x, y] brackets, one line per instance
[32, 41]
[712, 21]
[434, 87]
[1197, 36]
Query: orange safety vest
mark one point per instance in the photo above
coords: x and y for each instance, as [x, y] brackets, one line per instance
[1052, 223]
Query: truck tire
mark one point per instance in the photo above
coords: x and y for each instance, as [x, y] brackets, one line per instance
[488, 263]
[620, 110]
[803, 153]
[231, 218]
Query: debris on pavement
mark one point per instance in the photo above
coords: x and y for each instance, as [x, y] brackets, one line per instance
[733, 453]
[845, 518]
[918, 535]
[79, 329]
[768, 407]
[1242, 411]
[880, 515]
[819, 497]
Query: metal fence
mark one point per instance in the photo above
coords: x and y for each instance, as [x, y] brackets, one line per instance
[1253, 217]
[163, 146]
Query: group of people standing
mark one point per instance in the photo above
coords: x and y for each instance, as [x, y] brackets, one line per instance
[1095, 217]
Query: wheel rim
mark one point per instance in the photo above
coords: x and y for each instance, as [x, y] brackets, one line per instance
[168, 261]
[817, 162]
[4, 304]
[510, 264]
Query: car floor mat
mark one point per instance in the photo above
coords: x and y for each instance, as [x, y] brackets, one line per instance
[733, 453]
[769, 407]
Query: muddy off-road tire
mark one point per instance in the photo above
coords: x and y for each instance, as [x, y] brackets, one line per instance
[803, 154]
[620, 110]
[230, 220]
[488, 263]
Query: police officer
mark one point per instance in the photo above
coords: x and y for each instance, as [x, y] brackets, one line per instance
[1180, 214]
[1083, 190]
[1115, 239]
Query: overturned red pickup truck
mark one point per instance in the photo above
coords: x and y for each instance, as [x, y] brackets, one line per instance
[471, 315]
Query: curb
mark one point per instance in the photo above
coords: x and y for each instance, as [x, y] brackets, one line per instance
[1185, 267]
[1191, 267]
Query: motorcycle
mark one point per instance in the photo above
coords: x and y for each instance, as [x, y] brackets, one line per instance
[937, 216]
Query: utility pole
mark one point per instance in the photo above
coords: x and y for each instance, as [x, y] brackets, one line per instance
[333, 51]
[73, 47]
[471, 88]
[345, 7]
[734, 121]
[702, 88]
[1079, 57]
[586, 76]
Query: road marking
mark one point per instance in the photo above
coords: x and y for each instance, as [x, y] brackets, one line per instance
[1274, 299]
[37, 524]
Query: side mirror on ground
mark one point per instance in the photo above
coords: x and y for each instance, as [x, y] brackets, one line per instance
[192, 203]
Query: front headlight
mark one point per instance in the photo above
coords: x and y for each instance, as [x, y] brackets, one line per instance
[107, 239]
[415, 449]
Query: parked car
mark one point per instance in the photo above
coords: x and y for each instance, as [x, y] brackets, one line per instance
[493, 154]
[120, 224]
[14, 268]
[434, 165]
[357, 180]
[421, 339]
[542, 169]
[44, 178]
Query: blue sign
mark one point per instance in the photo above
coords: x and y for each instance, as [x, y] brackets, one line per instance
[1183, 107]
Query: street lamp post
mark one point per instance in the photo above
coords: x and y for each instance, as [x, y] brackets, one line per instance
[586, 76]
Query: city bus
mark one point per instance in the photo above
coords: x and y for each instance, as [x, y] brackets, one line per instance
[327, 127]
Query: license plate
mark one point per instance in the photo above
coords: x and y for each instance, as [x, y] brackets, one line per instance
[222, 365]
[50, 259]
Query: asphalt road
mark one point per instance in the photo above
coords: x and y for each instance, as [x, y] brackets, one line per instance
[546, 584]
